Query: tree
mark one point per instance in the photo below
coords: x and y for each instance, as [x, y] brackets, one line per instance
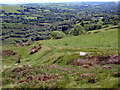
[77, 30]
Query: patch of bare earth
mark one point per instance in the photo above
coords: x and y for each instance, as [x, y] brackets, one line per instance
[90, 60]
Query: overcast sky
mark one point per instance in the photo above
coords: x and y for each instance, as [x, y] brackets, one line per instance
[42, 1]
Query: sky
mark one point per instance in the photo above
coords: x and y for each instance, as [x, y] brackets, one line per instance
[44, 1]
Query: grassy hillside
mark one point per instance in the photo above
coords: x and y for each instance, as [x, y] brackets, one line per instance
[11, 8]
[102, 39]
[52, 66]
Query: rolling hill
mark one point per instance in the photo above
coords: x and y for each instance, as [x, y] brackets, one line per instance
[57, 64]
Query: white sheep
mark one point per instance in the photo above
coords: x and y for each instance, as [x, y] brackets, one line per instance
[82, 54]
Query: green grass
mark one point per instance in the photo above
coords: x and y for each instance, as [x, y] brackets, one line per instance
[67, 78]
[102, 39]
[15, 25]
[110, 27]
[11, 8]
[62, 52]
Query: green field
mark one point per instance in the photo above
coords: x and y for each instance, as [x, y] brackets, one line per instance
[102, 39]
[54, 60]
[11, 8]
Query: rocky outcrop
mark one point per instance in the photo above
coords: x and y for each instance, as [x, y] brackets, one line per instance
[34, 49]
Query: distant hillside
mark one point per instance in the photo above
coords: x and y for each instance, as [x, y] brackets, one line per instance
[34, 22]
[11, 8]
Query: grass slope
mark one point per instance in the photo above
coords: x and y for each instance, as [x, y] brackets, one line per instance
[61, 53]
[11, 8]
[102, 39]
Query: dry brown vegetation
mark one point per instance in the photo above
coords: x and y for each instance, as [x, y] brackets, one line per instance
[7, 53]
[93, 60]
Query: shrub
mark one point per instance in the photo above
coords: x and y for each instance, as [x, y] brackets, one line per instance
[57, 34]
